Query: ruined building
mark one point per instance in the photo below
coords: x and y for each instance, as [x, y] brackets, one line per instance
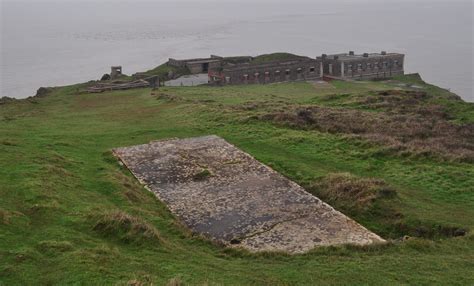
[115, 72]
[364, 66]
[248, 70]
[268, 72]
[199, 65]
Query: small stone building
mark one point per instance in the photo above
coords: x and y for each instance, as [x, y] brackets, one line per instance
[115, 71]
[364, 66]
[268, 72]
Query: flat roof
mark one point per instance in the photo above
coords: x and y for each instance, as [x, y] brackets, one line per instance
[202, 61]
[251, 65]
[347, 57]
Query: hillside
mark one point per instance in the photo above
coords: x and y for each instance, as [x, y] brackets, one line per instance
[397, 156]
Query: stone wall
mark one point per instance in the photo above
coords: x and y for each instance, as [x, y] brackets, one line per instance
[366, 66]
[197, 65]
[295, 70]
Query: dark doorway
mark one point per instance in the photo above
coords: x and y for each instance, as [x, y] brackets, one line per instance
[205, 67]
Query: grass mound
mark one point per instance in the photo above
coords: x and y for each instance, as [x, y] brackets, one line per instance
[163, 72]
[276, 57]
[352, 193]
[126, 228]
[374, 203]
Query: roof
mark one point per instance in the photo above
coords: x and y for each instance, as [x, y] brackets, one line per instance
[347, 57]
[253, 66]
[202, 61]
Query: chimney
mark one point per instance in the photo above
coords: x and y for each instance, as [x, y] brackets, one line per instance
[383, 53]
[351, 53]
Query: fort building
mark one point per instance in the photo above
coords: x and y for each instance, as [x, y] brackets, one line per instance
[288, 67]
[362, 66]
[268, 72]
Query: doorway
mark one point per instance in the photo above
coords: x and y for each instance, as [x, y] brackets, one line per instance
[205, 67]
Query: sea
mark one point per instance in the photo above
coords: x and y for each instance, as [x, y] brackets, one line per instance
[53, 43]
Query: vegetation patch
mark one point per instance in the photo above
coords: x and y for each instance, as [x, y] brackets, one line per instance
[428, 230]
[167, 97]
[276, 57]
[6, 99]
[374, 202]
[352, 193]
[175, 281]
[202, 175]
[404, 127]
[164, 72]
[126, 228]
[44, 91]
[54, 246]
[5, 216]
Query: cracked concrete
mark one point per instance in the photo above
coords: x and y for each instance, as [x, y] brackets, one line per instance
[225, 194]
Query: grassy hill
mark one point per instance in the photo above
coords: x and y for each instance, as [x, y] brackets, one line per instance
[394, 155]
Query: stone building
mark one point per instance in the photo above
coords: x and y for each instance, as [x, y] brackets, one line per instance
[268, 72]
[198, 65]
[364, 66]
[249, 70]
[115, 71]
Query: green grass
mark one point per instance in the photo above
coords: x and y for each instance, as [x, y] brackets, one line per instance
[275, 57]
[70, 214]
[162, 71]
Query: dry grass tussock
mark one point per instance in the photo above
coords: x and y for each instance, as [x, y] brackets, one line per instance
[176, 281]
[371, 197]
[126, 227]
[344, 189]
[403, 123]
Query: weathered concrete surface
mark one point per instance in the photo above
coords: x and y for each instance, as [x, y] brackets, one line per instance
[239, 202]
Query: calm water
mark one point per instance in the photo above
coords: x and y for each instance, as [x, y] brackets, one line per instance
[57, 43]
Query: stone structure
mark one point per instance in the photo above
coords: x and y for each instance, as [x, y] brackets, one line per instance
[115, 72]
[364, 66]
[199, 65]
[151, 81]
[243, 70]
[223, 193]
[297, 69]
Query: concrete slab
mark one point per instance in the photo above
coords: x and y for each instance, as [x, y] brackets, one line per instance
[225, 194]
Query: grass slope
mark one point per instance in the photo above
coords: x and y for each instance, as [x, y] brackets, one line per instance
[70, 214]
